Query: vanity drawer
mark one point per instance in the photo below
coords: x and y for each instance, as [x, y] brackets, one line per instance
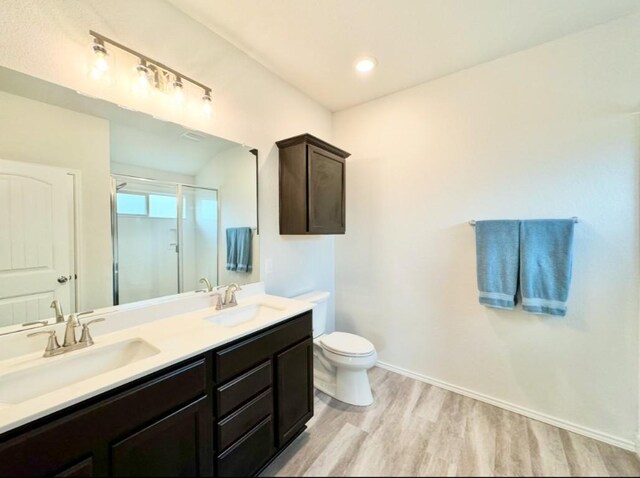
[246, 456]
[241, 389]
[243, 355]
[241, 421]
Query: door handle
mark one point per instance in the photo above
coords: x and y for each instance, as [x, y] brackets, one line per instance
[63, 279]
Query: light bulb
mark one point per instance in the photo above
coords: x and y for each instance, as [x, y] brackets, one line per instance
[178, 91]
[100, 62]
[143, 76]
[96, 73]
[365, 64]
[206, 104]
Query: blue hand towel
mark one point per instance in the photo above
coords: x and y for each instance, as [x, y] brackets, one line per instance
[497, 247]
[546, 254]
[239, 243]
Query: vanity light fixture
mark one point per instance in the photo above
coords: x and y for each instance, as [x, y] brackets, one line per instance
[149, 73]
[365, 64]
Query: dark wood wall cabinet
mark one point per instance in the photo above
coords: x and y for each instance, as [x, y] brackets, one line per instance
[228, 412]
[312, 186]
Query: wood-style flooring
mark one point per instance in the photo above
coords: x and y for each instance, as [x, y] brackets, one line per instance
[416, 429]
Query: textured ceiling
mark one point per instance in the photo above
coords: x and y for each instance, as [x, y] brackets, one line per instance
[312, 44]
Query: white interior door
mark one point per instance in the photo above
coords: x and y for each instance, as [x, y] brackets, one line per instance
[36, 241]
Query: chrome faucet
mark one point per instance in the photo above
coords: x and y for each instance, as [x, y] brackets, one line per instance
[70, 342]
[59, 315]
[206, 282]
[70, 331]
[229, 299]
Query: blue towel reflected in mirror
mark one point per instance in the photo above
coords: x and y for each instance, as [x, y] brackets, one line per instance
[239, 244]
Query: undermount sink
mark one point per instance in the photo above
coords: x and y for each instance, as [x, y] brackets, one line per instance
[242, 315]
[64, 370]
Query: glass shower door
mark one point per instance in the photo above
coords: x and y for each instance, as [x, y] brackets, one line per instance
[146, 239]
[199, 250]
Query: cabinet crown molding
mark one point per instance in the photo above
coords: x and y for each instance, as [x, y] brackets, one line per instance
[310, 139]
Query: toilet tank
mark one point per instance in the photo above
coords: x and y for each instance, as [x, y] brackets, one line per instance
[320, 298]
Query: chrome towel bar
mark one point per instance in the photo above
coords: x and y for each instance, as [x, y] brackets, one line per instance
[473, 221]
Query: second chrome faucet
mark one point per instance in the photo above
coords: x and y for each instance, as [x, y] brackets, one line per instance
[226, 300]
[229, 298]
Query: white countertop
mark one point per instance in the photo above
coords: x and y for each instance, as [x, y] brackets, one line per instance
[177, 338]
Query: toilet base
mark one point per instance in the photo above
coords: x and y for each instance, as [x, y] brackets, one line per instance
[325, 387]
[353, 387]
[344, 383]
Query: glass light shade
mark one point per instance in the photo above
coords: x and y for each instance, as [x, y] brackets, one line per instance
[100, 62]
[207, 106]
[143, 77]
[178, 92]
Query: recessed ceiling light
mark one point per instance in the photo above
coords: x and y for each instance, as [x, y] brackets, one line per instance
[365, 64]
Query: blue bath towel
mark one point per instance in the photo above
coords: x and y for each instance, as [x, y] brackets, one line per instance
[497, 246]
[239, 243]
[546, 253]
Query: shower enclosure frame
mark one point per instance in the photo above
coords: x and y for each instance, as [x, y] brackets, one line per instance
[179, 249]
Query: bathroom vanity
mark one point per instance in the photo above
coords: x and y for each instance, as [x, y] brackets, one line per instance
[224, 411]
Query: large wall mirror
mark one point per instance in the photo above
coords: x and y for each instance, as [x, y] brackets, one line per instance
[104, 206]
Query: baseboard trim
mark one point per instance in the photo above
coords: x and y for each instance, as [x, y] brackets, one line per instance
[541, 417]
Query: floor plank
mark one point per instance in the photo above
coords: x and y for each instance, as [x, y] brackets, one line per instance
[618, 462]
[416, 429]
[548, 457]
[513, 457]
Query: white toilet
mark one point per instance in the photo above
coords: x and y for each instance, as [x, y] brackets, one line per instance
[340, 360]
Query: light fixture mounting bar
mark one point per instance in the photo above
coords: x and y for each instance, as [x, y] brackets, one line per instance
[145, 58]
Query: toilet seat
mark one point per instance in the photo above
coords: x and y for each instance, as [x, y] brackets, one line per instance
[348, 345]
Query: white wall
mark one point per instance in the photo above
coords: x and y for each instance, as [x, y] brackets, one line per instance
[232, 172]
[49, 39]
[36, 132]
[543, 133]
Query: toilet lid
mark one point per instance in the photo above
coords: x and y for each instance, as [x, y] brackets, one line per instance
[347, 344]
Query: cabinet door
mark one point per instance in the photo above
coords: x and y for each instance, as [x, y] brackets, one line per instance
[294, 372]
[326, 190]
[175, 445]
[61, 448]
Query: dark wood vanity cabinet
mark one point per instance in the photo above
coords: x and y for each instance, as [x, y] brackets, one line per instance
[312, 186]
[258, 392]
[155, 426]
[227, 412]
